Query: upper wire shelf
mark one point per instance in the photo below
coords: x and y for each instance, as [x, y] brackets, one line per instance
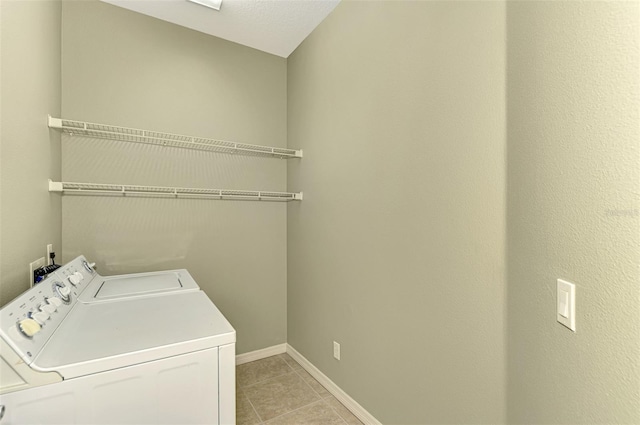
[134, 135]
[170, 192]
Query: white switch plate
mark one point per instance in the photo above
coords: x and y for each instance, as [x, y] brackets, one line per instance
[566, 304]
[336, 350]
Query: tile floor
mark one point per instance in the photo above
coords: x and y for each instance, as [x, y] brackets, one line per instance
[278, 391]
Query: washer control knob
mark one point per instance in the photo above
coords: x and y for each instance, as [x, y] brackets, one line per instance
[88, 266]
[29, 327]
[74, 280]
[48, 308]
[55, 302]
[40, 317]
[79, 276]
[62, 291]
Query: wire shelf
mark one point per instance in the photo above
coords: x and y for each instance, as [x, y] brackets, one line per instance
[170, 192]
[134, 135]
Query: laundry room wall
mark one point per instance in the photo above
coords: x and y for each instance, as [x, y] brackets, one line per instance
[126, 69]
[397, 251]
[29, 152]
[574, 210]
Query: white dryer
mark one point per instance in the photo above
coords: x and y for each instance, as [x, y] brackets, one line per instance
[148, 348]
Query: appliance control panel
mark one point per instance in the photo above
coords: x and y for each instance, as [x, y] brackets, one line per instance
[27, 322]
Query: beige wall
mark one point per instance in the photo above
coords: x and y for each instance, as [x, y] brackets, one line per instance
[573, 210]
[397, 251]
[30, 153]
[123, 68]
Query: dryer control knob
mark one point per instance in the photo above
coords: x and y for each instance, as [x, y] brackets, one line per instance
[40, 317]
[48, 308]
[64, 291]
[79, 276]
[29, 327]
[74, 280]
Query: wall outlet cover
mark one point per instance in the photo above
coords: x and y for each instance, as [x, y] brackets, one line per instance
[49, 251]
[40, 262]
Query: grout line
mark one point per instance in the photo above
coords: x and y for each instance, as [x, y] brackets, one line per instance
[351, 405]
[260, 421]
[306, 382]
[338, 413]
[294, 370]
[295, 410]
[309, 385]
[291, 370]
[288, 362]
[271, 377]
[268, 379]
[312, 390]
[301, 407]
[324, 398]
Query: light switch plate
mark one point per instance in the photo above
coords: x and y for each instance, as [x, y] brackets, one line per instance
[566, 304]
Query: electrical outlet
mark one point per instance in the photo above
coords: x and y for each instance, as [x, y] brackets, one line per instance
[49, 251]
[35, 265]
[336, 350]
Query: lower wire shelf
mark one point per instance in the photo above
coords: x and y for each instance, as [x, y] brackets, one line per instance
[169, 192]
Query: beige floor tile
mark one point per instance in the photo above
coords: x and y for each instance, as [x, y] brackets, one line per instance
[289, 360]
[317, 387]
[260, 370]
[245, 414]
[348, 417]
[315, 414]
[280, 395]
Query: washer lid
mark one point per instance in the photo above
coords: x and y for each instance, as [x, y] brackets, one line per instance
[138, 284]
[101, 336]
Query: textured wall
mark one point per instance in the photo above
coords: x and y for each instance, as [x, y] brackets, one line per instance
[30, 87]
[397, 251]
[123, 68]
[573, 210]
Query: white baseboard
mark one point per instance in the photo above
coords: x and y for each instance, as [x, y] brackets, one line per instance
[261, 354]
[353, 406]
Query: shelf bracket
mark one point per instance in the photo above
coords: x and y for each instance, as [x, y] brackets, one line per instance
[55, 186]
[54, 122]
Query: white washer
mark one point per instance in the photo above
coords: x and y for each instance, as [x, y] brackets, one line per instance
[148, 348]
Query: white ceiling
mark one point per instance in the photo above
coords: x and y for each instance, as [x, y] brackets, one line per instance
[273, 26]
